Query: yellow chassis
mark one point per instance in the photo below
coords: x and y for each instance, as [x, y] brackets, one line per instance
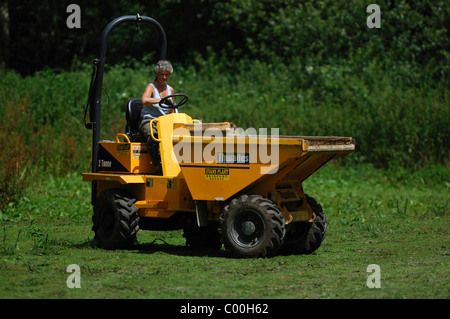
[188, 181]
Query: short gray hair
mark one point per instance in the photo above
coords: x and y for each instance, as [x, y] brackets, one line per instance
[163, 65]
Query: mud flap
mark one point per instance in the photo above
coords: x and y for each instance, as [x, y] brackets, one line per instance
[201, 212]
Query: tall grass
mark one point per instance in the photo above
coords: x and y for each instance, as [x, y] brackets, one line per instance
[394, 121]
[40, 130]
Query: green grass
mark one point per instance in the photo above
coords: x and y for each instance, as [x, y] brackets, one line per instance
[397, 220]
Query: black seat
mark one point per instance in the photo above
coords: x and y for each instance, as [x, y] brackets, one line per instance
[133, 114]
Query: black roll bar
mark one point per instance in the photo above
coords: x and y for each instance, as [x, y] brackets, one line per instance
[94, 99]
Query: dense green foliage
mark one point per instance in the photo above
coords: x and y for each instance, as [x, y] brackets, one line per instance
[414, 36]
[307, 68]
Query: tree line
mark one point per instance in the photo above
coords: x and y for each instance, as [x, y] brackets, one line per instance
[414, 35]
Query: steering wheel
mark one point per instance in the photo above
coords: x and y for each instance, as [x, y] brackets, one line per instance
[167, 103]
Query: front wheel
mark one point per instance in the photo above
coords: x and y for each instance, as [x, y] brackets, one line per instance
[252, 226]
[116, 220]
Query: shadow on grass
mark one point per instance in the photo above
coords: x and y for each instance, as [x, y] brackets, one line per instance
[159, 245]
[179, 250]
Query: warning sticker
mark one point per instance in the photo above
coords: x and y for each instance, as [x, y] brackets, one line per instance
[123, 149]
[217, 174]
[139, 151]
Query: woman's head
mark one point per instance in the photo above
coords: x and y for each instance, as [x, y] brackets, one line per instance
[163, 70]
[163, 65]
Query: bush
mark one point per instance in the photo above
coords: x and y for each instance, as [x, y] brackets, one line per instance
[39, 133]
[13, 160]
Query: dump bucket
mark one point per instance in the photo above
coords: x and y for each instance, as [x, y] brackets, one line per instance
[218, 163]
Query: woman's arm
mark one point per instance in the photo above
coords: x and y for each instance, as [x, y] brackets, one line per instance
[147, 97]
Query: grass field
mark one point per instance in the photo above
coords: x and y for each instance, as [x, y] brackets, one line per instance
[394, 219]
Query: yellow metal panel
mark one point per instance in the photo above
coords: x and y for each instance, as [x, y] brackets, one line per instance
[155, 213]
[211, 179]
[121, 178]
[165, 193]
[165, 126]
[134, 157]
[132, 179]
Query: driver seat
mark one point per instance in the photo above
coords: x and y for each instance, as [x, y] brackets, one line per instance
[132, 115]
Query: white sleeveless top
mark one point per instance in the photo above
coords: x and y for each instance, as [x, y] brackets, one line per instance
[154, 111]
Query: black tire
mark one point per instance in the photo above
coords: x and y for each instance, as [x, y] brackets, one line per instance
[252, 226]
[305, 237]
[116, 220]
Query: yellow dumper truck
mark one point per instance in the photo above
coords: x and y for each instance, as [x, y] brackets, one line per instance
[220, 184]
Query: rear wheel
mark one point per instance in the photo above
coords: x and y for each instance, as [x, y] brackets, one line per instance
[116, 220]
[252, 226]
[304, 237]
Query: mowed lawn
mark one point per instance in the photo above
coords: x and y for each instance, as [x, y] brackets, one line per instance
[399, 222]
